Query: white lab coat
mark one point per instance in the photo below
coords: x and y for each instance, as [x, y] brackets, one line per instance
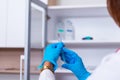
[109, 69]
[46, 75]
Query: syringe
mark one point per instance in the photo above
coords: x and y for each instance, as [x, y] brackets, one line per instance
[59, 37]
[62, 53]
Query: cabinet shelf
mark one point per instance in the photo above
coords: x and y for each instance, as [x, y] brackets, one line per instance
[35, 71]
[83, 10]
[17, 71]
[79, 10]
[62, 70]
[76, 6]
[89, 44]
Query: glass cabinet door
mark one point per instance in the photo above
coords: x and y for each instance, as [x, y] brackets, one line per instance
[38, 26]
[35, 36]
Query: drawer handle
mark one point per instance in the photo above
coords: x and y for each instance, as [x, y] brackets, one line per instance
[21, 66]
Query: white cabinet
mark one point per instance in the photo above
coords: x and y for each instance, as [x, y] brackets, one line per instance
[16, 23]
[91, 21]
[88, 20]
[12, 26]
[3, 22]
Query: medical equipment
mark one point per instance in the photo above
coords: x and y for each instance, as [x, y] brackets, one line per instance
[59, 37]
[69, 30]
[60, 31]
[62, 54]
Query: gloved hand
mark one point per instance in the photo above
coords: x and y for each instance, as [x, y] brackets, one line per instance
[52, 53]
[74, 63]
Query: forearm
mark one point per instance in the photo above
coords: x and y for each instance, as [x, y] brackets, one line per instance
[47, 74]
[47, 65]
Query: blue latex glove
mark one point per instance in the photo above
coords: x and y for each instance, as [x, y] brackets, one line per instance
[52, 53]
[74, 63]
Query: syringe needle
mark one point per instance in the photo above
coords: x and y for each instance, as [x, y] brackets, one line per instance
[59, 38]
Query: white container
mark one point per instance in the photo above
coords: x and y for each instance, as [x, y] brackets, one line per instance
[60, 31]
[69, 30]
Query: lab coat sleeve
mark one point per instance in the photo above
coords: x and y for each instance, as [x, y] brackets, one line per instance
[46, 75]
[109, 69]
